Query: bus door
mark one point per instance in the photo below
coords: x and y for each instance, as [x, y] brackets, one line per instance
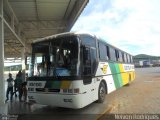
[89, 66]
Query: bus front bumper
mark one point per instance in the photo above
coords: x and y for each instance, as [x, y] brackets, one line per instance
[74, 101]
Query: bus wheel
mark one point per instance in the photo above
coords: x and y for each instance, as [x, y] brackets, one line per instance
[101, 93]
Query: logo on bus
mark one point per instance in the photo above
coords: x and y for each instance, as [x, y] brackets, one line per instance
[104, 69]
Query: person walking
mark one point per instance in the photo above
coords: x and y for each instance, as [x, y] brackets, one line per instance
[9, 88]
[19, 81]
[15, 88]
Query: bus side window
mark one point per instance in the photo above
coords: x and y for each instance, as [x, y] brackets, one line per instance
[108, 53]
[117, 55]
[89, 60]
[120, 56]
[86, 61]
[103, 52]
[131, 59]
[112, 53]
[125, 58]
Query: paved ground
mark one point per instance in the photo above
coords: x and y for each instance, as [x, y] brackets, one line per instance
[141, 96]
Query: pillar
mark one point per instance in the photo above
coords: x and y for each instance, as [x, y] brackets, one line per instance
[23, 63]
[2, 83]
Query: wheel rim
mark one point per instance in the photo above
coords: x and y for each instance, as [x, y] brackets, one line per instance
[102, 93]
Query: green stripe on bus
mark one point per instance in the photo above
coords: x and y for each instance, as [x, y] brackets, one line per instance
[115, 77]
[53, 84]
[57, 84]
[119, 74]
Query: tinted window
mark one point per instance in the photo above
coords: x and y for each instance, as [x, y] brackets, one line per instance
[93, 60]
[117, 55]
[103, 52]
[131, 59]
[108, 53]
[112, 54]
[125, 58]
[128, 56]
[89, 61]
[88, 41]
[86, 61]
[120, 56]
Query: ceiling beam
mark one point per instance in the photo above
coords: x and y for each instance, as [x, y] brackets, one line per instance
[43, 25]
[36, 8]
[18, 38]
[76, 11]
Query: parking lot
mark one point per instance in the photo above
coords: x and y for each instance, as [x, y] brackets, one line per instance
[141, 96]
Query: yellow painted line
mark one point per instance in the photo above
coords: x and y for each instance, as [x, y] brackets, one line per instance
[108, 110]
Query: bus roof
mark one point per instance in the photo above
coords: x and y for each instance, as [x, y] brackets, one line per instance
[75, 33]
[62, 34]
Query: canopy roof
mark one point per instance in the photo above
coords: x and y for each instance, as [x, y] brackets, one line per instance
[27, 20]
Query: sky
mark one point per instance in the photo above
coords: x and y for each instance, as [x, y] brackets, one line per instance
[131, 25]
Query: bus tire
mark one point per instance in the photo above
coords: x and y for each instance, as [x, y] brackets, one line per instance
[101, 93]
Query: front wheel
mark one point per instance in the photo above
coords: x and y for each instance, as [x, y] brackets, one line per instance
[101, 93]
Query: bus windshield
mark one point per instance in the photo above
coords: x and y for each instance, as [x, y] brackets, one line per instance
[57, 57]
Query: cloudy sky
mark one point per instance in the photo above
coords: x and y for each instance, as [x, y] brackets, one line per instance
[131, 25]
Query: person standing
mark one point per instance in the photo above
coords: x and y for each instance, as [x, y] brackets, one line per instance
[10, 87]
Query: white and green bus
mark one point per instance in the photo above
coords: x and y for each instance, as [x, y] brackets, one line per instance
[73, 70]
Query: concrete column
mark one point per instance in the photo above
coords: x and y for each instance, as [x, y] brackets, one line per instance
[2, 87]
[23, 62]
[12, 22]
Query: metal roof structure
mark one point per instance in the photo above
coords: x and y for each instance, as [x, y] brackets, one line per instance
[27, 20]
[22, 21]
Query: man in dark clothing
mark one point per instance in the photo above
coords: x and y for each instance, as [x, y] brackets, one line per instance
[18, 81]
[10, 87]
[15, 88]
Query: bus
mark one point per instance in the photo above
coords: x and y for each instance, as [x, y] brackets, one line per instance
[73, 70]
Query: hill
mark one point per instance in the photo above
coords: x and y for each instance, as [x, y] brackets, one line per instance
[144, 56]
